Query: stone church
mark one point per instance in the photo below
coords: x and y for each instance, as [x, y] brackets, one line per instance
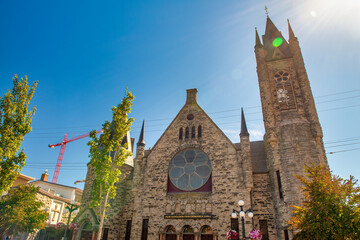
[188, 185]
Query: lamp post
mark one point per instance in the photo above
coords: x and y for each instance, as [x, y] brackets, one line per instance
[69, 210]
[242, 214]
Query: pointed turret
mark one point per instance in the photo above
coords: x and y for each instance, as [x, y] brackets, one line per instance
[257, 39]
[291, 32]
[274, 42]
[271, 30]
[140, 148]
[141, 141]
[244, 131]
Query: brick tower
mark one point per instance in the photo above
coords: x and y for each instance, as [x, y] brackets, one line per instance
[293, 135]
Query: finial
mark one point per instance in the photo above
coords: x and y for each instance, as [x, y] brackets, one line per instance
[266, 11]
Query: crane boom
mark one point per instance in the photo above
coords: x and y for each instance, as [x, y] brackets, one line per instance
[62, 150]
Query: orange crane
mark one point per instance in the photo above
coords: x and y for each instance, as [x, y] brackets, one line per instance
[62, 150]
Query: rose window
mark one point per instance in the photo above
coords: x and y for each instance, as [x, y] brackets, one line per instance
[190, 169]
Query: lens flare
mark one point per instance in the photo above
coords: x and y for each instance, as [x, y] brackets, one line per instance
[277, 42]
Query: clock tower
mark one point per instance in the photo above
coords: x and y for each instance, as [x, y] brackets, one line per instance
[293, 135]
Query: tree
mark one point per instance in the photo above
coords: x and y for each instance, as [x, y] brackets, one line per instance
[331, 209]
[107, 155]
[20, 211]
[15, 120]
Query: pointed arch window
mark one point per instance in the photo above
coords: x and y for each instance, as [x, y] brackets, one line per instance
[199, 131]
[284, 91]
[193, 132]
[181, 133]
[187, 132]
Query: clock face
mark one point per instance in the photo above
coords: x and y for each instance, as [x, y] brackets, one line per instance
[190, 169]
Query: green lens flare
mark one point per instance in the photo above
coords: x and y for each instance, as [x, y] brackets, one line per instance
[277, 42]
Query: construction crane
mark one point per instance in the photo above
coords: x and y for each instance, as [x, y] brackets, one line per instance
[62, 150]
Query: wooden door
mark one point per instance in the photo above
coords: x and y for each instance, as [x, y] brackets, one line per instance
[206, 237]
[86, 235]
[170, 236]
[188, 237]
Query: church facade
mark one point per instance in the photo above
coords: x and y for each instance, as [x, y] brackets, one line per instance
[189, 183]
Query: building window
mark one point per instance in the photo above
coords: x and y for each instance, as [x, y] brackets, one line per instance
[186, 132]
[128, 230]
[235, 224]
[264, 229]
[105, 234]
[55, 213]
[145, 229]
[284, 91]
[199, 131]
[181, 133]
[193, 132]
[286, 234]
[279, 184]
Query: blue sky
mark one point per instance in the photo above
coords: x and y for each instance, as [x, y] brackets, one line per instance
[85, 53]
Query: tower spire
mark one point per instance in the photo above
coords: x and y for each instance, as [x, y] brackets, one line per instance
[142, 134]
[291, 32]
[257, 39]
[244, 131]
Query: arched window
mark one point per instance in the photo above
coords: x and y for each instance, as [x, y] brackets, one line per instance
[186, 132]
[193, 132]
[284, 91]
[199, 131]
[181, 133]
[206, 233]
[188, 233]
[170, 233]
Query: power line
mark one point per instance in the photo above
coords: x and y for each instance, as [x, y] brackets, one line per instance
[345, 150]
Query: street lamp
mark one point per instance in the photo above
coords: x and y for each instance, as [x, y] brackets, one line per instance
[242, 214]
[69, 210]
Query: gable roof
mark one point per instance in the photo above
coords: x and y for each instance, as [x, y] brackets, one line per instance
[58, 185]
[205, 114]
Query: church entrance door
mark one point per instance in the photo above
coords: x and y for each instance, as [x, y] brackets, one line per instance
[170, 237]
[86, 235]
[207, 237]
[188, 237]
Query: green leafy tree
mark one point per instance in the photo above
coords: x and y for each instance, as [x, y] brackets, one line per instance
[331, 209]
[15, 120]
[107, 154]
[20, 211]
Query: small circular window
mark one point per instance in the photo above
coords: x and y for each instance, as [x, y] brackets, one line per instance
[190, 169]
[190, 117]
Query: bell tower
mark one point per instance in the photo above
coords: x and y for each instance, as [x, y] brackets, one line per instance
[293, 135]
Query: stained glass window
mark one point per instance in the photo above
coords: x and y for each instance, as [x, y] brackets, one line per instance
[190, 169]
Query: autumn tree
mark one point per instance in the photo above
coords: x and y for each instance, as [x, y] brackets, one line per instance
[331, 209]
[15, 120]
[108, 154]
[20, 211]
